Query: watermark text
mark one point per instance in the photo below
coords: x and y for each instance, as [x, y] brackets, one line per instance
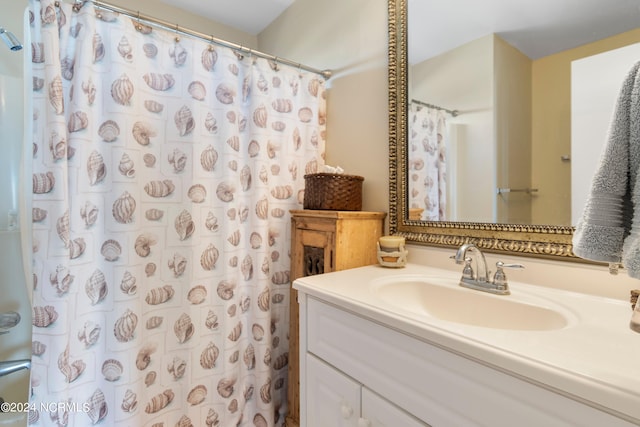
[44, 406]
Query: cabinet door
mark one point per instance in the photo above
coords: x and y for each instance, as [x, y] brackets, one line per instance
[332, 398]
[378, 412]
[317, 252]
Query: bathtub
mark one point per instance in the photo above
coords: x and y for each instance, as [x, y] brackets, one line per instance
[14, 388]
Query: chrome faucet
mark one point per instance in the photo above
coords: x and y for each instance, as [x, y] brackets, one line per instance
[11, 366]
[479, 279]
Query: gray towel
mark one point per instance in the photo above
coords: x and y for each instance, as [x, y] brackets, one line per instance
[609, 229]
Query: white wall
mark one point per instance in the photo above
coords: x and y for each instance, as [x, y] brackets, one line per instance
[595, 84]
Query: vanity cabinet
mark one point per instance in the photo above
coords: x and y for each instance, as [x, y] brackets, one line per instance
[321, 242]
[356, 371]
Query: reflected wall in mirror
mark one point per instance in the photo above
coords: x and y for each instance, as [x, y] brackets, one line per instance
[513, 131]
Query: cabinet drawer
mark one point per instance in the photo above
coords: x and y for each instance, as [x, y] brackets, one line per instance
[438, 387]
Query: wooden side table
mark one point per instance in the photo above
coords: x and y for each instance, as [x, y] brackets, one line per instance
[324, 241]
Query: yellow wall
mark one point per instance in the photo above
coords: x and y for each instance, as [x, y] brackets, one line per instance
[551, 127]
[512, 123]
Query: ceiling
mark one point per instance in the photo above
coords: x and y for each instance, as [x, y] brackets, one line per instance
[535, 27]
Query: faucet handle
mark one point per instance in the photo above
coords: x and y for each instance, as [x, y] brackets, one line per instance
[500, 278]
[501, 264]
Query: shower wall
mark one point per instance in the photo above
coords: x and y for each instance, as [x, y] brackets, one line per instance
[11, 20]
[16, 344]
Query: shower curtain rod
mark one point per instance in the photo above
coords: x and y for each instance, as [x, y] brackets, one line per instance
[454, 113]
[326, 74]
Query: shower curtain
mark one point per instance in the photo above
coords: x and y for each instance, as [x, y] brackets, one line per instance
[164, 169]
[427, 161]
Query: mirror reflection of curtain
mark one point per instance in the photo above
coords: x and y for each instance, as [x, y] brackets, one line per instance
[164, 171]
[428, 140]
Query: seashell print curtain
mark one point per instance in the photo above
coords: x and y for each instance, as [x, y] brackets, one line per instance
[427, 161]
[164, 172]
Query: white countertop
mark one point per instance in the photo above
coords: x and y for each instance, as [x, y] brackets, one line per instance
[595, 359]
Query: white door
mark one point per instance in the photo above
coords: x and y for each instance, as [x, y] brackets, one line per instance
[333, 399]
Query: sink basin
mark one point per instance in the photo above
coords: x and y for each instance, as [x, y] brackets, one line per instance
[443, 299]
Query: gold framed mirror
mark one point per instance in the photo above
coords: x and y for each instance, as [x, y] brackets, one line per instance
[546, 241]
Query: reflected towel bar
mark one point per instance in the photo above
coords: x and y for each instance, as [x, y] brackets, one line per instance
[516, 190]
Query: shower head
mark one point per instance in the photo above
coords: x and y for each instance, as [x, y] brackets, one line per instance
[10, 39]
